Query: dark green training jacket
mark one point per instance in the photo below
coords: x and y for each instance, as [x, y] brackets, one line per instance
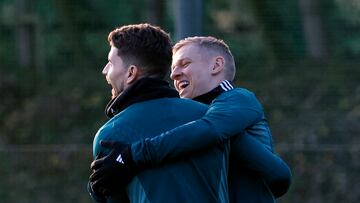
[194, 179]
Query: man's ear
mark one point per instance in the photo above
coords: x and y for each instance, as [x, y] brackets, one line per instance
[219, 65]
[133, 73]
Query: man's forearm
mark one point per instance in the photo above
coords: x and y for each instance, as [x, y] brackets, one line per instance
[251, 154]
[216, 127]
[175, 143]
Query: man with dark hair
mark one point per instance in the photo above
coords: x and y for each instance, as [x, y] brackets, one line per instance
[203, 69]
[142, 106]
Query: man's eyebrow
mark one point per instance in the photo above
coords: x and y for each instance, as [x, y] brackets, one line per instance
[181, 60]
[177, 63]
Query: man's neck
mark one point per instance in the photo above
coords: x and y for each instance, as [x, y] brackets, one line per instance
[208, 97]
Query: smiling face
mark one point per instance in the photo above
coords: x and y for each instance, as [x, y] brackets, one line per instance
[115, 72]
[191, 71]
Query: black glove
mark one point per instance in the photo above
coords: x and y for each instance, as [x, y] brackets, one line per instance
[114, 170]
[94, 196]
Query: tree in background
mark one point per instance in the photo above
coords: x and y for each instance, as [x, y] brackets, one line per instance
[28, 37]
[313, 29]
[155, 12]
[188, 18]
[281, 28]
[310, 102]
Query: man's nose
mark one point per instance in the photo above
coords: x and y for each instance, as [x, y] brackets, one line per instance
[105, 69]
[175, 72]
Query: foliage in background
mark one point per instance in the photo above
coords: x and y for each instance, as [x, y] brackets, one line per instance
[309, 102]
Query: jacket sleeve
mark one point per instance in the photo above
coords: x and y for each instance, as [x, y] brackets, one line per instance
[251, 154]
[228, 115]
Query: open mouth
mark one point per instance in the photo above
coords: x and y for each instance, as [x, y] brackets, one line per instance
[183, 84]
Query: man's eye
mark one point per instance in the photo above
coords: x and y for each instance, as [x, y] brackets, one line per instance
[185, 64]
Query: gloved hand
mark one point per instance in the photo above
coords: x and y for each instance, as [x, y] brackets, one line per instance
[114, 170]
[94, 196]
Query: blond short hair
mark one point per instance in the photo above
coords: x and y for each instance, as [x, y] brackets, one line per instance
[215, 45]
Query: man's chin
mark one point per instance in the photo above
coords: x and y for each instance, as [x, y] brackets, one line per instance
[184, 95]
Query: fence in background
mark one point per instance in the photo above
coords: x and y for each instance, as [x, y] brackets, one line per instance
[59, 173]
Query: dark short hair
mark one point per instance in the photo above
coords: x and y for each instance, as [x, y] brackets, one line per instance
[144, 45]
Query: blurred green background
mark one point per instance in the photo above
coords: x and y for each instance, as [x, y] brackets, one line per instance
[301, 58]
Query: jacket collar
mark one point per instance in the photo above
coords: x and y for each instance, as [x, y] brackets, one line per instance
[208, 97]
[142, 90]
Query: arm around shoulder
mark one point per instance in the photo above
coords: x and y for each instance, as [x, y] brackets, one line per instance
[227, 116]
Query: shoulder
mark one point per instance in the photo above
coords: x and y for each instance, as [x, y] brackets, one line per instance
[163, 107]
[193, 103]
[236, 95]
[178, 103]
[160, 104]
[237, 99]
[174, 101]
